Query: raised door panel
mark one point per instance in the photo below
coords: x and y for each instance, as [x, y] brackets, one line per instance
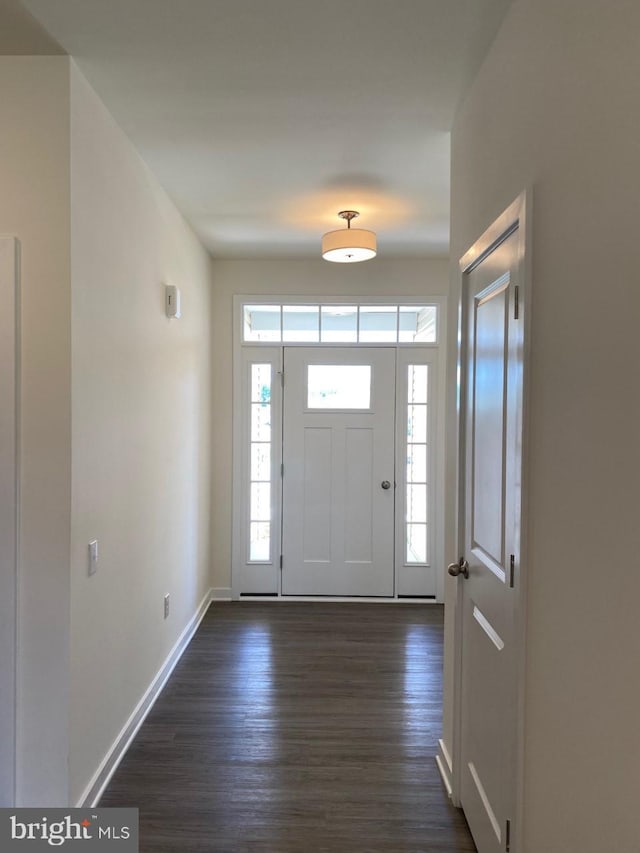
[317, 495]
[489, 389]
[357, 518]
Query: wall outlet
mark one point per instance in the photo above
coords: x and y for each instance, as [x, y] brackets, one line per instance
[93, 557]
[166, 605]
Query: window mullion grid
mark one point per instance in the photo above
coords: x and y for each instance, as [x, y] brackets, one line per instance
[260, 436]
[413, 524]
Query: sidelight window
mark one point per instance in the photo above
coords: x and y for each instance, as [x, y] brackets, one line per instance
[260, 465]
[417, 480]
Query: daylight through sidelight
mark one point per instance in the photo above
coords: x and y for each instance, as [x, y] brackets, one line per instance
[260, 470]
[417, 542]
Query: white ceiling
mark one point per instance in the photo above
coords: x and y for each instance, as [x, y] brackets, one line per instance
[264, 118]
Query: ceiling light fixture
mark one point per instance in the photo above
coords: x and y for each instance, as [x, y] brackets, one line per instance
[349, 245]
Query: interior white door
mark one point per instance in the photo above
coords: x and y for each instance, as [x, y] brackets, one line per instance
[338, 486]
[492, 429]
[8, 512]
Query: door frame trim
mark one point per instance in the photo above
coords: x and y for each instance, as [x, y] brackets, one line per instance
[239, 427]
[9, 524]
[517, 216]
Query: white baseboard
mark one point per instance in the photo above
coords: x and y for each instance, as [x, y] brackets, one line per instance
[443, 760]
[116, 752]
[221, 593]
[335, 599]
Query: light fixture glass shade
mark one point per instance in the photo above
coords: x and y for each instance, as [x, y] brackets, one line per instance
[349, 245]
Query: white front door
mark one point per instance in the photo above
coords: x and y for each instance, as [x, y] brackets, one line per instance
[338, 485]
[492, 441]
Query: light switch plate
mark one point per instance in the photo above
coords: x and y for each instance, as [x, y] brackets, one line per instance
[172, 301]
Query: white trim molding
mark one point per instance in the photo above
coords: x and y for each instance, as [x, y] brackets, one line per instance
[338, 599]
[9, 499]
[445, 766]
[221, 593]
[118, 749]
[516, 218]
[261, 580]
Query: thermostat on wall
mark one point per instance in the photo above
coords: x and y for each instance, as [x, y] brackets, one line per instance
[172, 301]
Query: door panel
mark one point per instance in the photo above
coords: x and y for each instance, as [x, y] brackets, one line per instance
[491, 438]
[338, 448]
[488, 429]
[316, 494]
[358, 515]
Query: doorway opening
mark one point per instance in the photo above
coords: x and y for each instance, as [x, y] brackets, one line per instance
[338, 463]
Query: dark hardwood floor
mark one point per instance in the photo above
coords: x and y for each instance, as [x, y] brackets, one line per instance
[297, 728]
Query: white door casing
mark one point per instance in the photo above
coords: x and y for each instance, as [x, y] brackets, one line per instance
[9, 395]
[489, 620]
[414, 577]
[257, 576]
[418, 561]
[338, 487]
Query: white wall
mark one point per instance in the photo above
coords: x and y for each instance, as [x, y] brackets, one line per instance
[381, 277]
[555, 106]
[141, 429]
[34, 206]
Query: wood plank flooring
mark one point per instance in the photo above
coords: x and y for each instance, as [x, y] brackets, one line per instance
[297, 728]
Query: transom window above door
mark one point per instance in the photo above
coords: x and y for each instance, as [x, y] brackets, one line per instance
[339, 324]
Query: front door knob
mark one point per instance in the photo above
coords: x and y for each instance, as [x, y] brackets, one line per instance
[459, 568]
[385, 484]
